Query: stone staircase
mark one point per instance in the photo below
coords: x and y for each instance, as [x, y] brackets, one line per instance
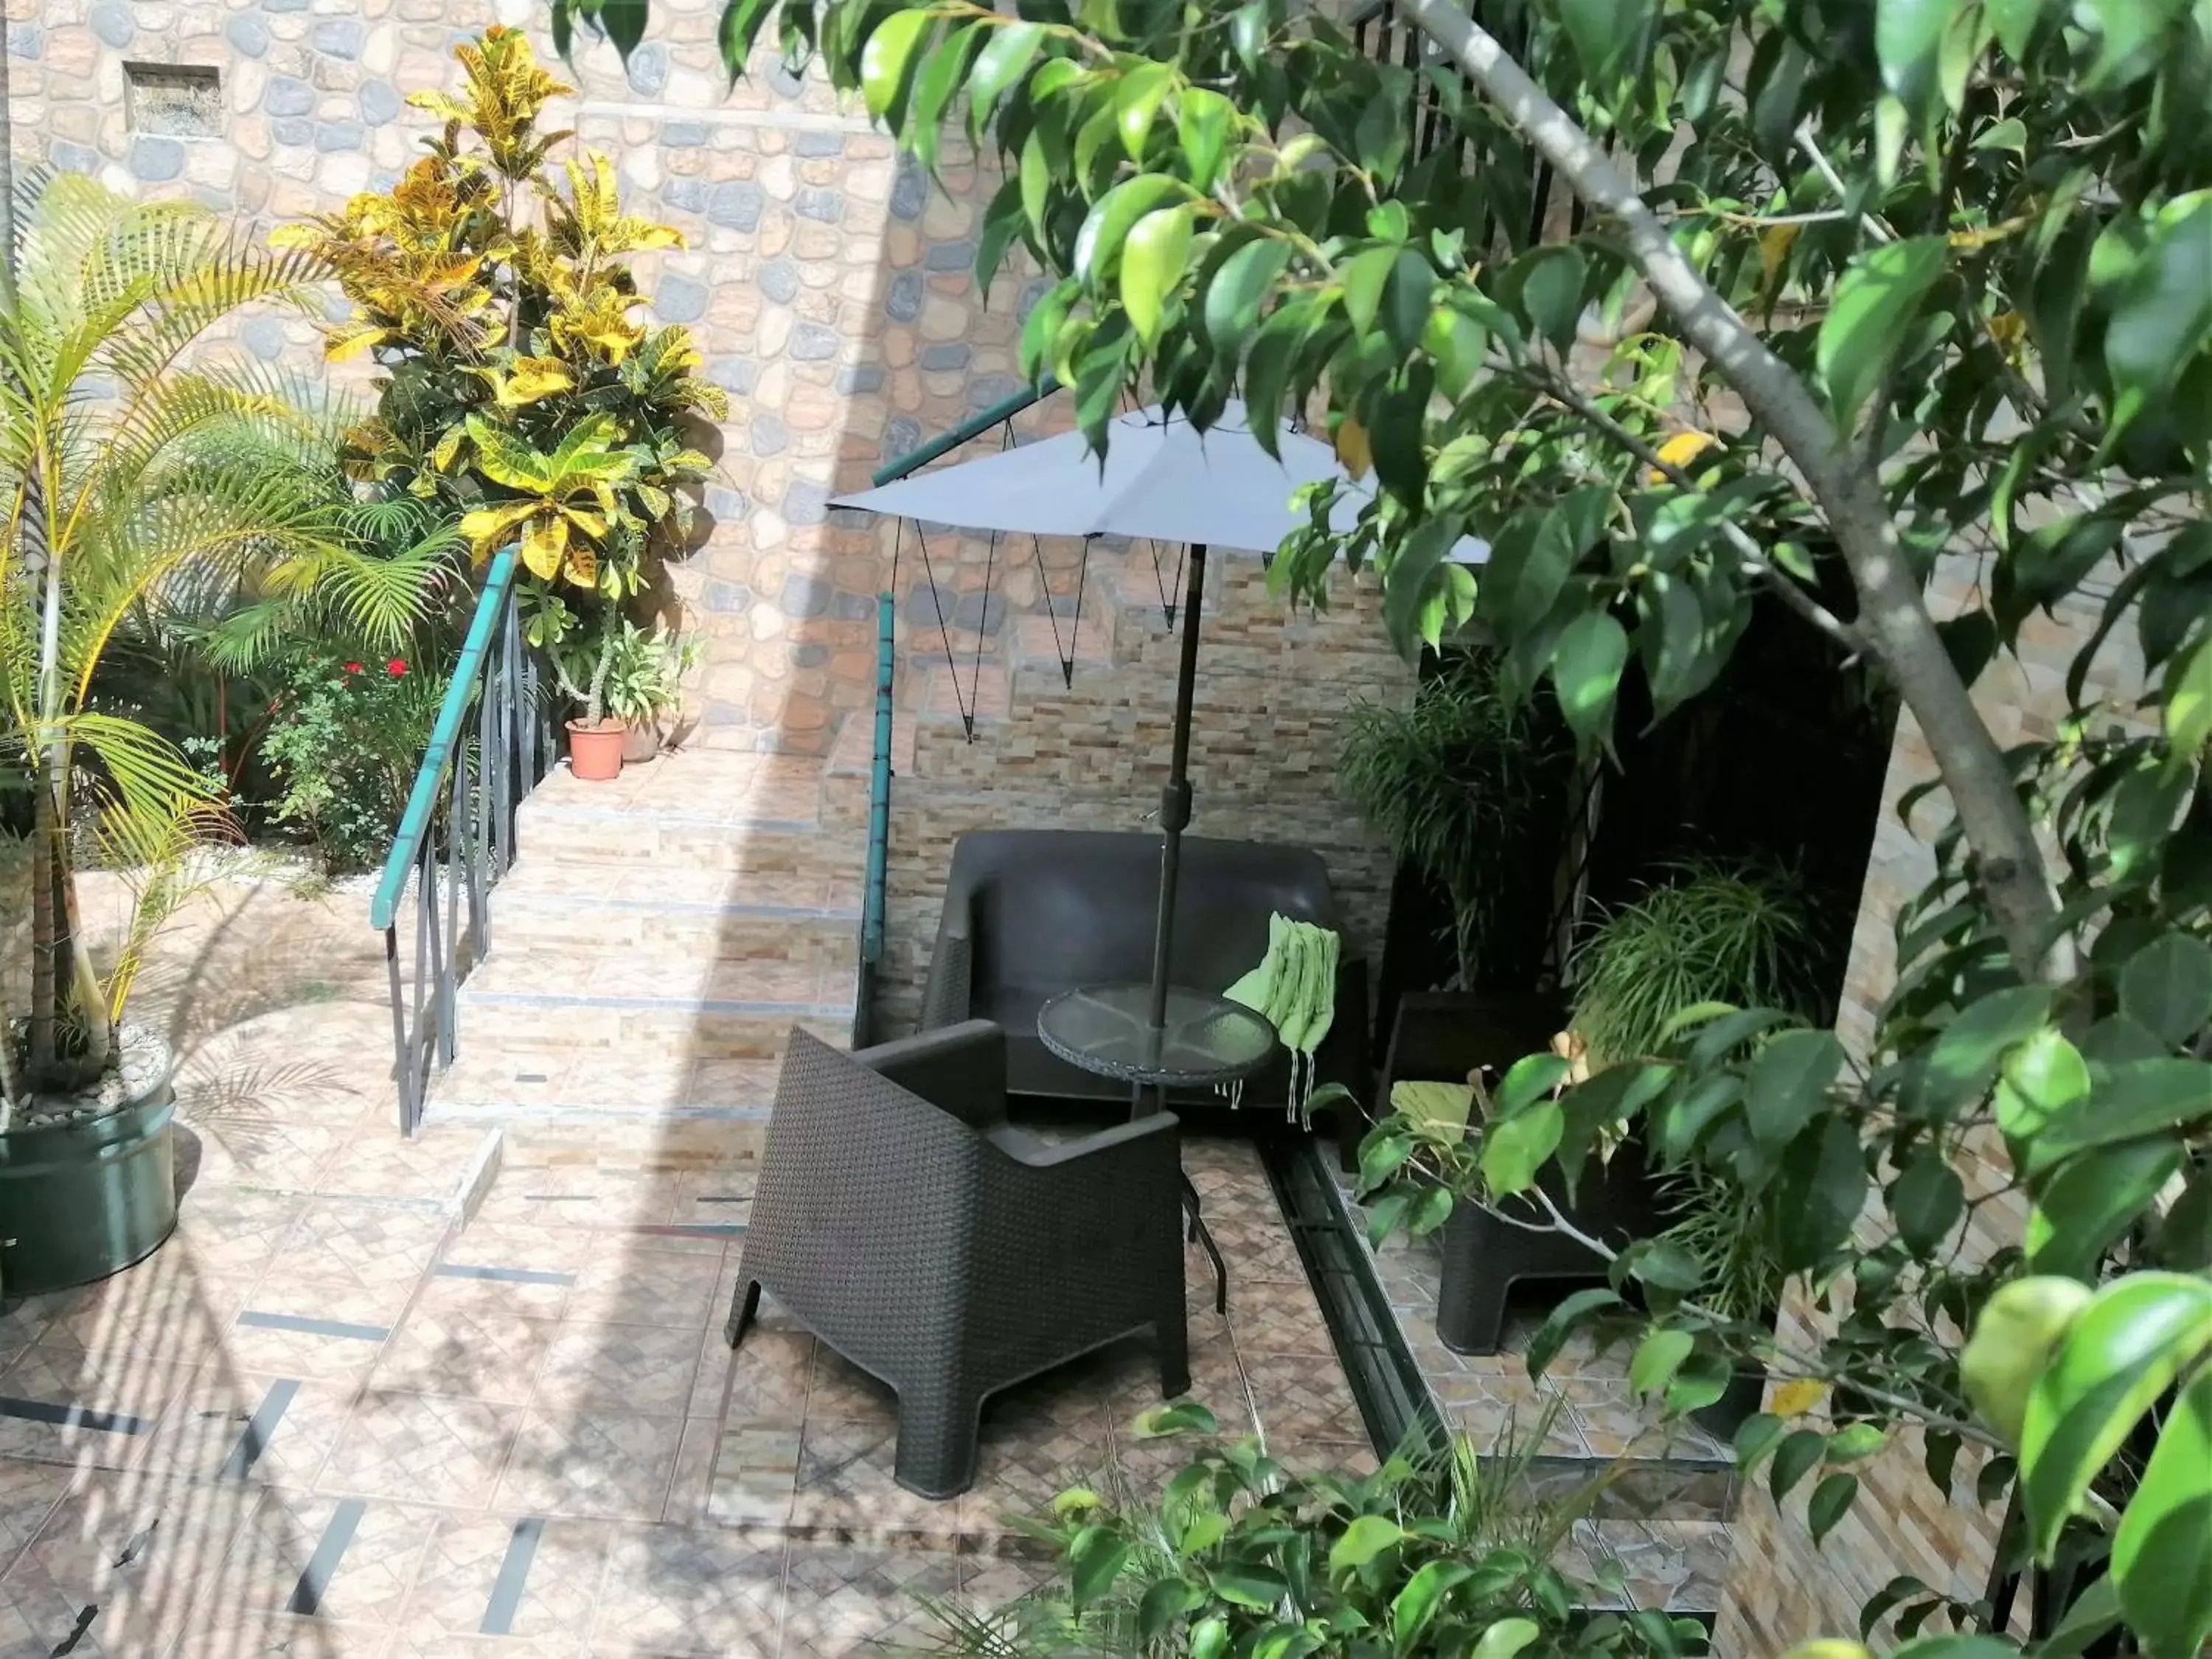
[657, 939]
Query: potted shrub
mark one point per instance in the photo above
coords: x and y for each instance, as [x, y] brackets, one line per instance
[644, 682]
[1461, 784]
[158, 481]
[582, 665]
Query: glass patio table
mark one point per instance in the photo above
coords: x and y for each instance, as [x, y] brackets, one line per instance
[1205, 1040]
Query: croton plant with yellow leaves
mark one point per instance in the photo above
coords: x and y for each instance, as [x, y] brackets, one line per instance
[523, 388]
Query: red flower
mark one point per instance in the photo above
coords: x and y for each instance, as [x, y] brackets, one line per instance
[353, 668]
[396, 667]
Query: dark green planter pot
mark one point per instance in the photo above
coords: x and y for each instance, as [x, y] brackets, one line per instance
[79, 1201]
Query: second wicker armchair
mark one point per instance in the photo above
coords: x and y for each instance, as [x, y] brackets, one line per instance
[903, 1221]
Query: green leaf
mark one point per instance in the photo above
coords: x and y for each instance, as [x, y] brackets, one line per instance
[1552, 1335]
[1586, 666]
[1527, 1080]
[1382, 1155]
[1204, 119]
[1417, 1603]
[624, 22]
[1665, 1265]
[1956, 1647]
[1209, 1638]
[2140, 1098]
[2014, 21]
[1362, 1542]
[1824, 1183]
[1248, 1586]
[1870, 315]
[1137, 100]
[1908, 35]
[1164, 1603]
[2093, 1200]
[2129, 37]
[1406, 291]
[1459, 344]
[1005, 59]
[1515, 1148]
[2095, 1611]
[1151, 267]
[941, 73]
[1927, 1202]
[2189, 700]
[1657, 1358]
[1603, 31]
[1096, 1556]
[2125, 1350]
[1963, 1060]
[2162, 320]
[1831, 1502]
[1238, 289]
[1756, 1436]
[1798, 1454]
[2162, 1553]
[1789, 1085]
[1363, 276]
[1037, 182]
[1549, 281]
[734, 35]
[885, 58]
[1112, 217]
[1506, 1637]
[1411, 569]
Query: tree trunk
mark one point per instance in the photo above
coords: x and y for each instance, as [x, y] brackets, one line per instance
[46, 979]
[2008, 865]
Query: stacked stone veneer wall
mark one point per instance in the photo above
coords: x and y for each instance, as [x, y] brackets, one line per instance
[1784, 1588]
[830, 287]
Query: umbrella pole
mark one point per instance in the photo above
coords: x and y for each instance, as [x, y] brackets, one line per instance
[1175, 797]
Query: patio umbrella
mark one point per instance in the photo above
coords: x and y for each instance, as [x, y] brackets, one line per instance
[1162, 480]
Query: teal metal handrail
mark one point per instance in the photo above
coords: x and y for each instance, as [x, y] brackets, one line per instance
[480, 789]
[873, 896]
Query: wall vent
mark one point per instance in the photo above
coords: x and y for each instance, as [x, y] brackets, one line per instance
[176, 100]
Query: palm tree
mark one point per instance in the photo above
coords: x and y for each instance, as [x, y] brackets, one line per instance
[138, 470]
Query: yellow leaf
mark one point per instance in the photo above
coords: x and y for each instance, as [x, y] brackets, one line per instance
[1679, 451]
[1352, 447]
[1795, 1399]
[583, 565]
[349, 343]
[1774, 245]
[545, 545]
[448, 448]
[533, 378]
[485, 527]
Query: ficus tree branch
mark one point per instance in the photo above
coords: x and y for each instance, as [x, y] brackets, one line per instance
[1894, 616]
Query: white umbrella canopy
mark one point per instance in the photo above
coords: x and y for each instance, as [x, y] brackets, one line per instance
[1162, 479]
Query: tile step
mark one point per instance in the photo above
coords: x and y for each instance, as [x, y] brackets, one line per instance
[600, 931]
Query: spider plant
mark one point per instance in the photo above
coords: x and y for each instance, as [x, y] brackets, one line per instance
[127, 478]
[1712, 932]
[1454, 783]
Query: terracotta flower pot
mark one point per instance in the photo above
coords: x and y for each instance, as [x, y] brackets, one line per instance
[642, 742]
[595, 752]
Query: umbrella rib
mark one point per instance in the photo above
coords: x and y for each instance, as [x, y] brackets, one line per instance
[945, 633]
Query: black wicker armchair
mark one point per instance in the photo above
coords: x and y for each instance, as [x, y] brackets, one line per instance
[901, 1220]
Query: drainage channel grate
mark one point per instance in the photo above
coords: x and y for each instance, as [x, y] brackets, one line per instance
[1393, 1397]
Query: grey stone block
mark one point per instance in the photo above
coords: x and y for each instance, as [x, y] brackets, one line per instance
[902, 303]
[264, 337]
[1031, 293]
[284, 5]
[649, 70]
[786, 84]
[950, 256]
[112, 22]
[156, 160]
[867, 377]
[73, 158]
[727, 598]
[811, 343]
[910, 191]
[901, 436]
[380, 102]
[337, 37]
[287, 96]
[688, 194]
[735, 205]
[778, 280]
[805, 502]
[810, 656]
[948, 355]
[733, 373]
[248, 33]
[805, 596]
[728, 506]
[680, 300]
[824, 205]
[334, 137]
[292, 132]
[769, 436]
[985, 390]
[980, 613]
[852, 607]
[819, 143]
[27, 41]
[684, 135]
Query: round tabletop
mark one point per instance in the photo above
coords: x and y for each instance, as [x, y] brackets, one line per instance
[1105, 1029]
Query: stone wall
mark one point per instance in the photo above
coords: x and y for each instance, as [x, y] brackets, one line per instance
[831, 290]
[1784, 1588]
